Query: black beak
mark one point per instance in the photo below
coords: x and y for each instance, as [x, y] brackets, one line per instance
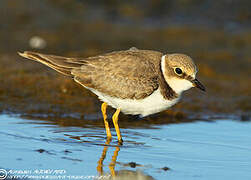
[197, 84]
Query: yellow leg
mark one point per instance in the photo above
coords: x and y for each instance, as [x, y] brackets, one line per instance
[107, 128]
[115, 122]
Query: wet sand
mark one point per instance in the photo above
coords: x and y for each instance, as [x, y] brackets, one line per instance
[223, 57]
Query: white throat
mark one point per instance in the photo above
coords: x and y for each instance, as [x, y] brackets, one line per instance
[178, 85]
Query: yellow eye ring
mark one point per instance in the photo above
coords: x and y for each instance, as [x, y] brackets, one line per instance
[178, 71]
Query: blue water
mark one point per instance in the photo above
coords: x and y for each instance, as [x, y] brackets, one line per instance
[198, 150]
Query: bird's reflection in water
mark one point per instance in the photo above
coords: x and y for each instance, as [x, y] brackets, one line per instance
[121, 174]
[113, 161]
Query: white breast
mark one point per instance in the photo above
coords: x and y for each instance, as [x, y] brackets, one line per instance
[150, 105]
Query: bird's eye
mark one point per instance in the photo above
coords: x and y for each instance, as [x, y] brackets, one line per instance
[178, 71]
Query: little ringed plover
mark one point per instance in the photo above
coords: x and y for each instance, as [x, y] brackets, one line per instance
[137, 82]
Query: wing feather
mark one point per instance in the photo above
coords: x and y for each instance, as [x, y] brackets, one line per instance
[124, 74]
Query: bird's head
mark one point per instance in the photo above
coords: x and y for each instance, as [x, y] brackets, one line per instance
[180, 72]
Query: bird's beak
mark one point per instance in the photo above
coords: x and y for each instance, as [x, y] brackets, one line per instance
[197, 84]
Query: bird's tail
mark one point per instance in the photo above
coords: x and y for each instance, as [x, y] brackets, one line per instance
[63, 65]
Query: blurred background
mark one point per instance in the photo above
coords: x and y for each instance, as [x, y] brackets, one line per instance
[217, 34]
[46, 117]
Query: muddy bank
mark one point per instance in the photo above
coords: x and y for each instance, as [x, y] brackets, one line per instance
[223, 58]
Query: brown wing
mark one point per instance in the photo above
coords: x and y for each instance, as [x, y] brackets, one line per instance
[61, 64]
[124, 74]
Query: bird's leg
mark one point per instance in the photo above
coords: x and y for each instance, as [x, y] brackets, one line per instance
[107, 128]
[115, 122]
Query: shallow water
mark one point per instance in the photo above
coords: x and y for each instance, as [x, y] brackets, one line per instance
[198, 150]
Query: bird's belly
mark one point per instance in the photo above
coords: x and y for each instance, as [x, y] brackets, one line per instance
[149, 105]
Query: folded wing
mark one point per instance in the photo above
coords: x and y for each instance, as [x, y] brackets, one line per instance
[123, 74]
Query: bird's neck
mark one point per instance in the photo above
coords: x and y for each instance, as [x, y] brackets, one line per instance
[165, 89]
[179, 85]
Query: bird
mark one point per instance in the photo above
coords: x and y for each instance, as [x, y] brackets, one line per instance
[133, 81]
